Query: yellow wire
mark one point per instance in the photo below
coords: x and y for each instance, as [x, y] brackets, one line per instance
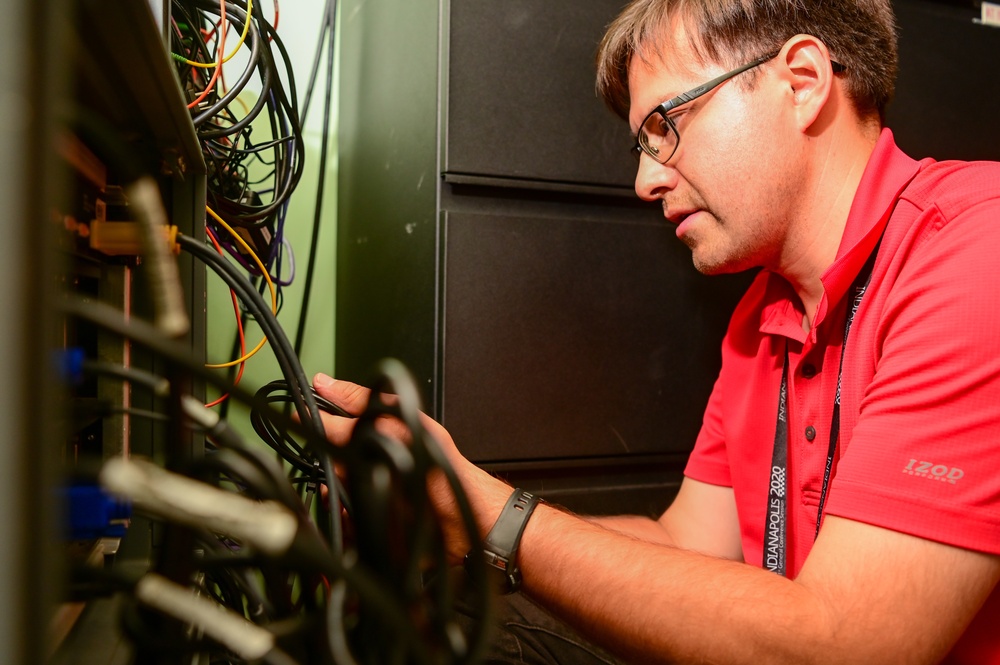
[267, 278]
[242, 243]
[233, 363]
[243, 37]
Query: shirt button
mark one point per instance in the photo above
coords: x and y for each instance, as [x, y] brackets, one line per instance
[810, 433]
[808, 371]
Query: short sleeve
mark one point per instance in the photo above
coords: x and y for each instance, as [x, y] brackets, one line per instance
[924, 454]
[709, 461]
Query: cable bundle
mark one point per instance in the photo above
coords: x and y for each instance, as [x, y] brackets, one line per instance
[244, 556]
[250, 179]
[257, 563]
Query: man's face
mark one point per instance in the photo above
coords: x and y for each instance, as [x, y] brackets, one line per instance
[730, 187]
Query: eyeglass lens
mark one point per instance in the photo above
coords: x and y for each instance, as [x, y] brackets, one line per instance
[658, 137]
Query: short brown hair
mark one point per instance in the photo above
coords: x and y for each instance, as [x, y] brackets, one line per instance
[860, 34]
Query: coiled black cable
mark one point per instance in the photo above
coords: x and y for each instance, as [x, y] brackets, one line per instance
[363, 579]
[298, 385]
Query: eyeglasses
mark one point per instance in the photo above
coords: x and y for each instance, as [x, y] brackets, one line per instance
[658, 136]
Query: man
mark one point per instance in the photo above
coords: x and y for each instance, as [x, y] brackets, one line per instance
[879, 511]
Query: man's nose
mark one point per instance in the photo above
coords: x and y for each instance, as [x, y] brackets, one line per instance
[652, 179]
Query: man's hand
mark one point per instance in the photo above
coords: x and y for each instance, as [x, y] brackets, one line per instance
[486, 494]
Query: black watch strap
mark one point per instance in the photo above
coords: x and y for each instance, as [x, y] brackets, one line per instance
[501, 543]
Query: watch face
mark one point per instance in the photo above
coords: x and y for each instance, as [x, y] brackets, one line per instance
[504, 579]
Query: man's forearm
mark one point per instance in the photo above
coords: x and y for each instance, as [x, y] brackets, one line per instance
[636, 526]
[653, 603]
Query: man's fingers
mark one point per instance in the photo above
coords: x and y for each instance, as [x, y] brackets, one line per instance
[351, 397]
[354, 399]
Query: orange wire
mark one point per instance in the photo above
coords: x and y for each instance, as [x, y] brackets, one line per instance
[239, 325]
[221, 50]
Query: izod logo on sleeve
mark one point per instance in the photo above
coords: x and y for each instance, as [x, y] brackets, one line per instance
[934, 471]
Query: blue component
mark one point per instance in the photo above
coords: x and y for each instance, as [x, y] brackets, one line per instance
[69, 365]
[92, 513]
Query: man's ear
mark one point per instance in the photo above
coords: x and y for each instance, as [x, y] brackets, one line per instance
[807, 71]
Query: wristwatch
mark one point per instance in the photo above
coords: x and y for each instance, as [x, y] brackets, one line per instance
[500, 545]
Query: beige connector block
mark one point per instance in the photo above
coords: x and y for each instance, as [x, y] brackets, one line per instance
[124, 238]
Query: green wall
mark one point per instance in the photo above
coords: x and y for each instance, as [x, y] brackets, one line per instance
[299, 26]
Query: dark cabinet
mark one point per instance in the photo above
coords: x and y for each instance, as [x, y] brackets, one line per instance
[948, 92]
[489, 237]
[520, 100]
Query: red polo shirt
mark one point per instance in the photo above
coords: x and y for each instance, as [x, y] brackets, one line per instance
[919, 445]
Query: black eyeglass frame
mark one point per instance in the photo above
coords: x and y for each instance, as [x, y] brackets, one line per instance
[663, 109]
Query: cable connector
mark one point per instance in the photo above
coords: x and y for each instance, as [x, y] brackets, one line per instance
[125, 238]
[265, 525]
[93, 513]
[235, 632]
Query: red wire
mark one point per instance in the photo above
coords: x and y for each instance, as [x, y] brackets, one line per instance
[221, 50]
[206, 35]
[239, 324]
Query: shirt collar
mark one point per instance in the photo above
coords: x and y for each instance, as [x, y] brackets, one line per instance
[887, 173]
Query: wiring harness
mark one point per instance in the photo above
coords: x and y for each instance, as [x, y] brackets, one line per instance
[294, 551]
[254, 150]
[250, 572]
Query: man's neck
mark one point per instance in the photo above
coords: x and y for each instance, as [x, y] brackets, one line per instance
[813, 243]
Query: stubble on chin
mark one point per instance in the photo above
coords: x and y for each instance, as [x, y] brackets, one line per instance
[716, 258]
[705, 258]
[708, 267]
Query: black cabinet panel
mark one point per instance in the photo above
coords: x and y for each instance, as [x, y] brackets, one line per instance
[574, 338]
[521, 99]
[948, 93]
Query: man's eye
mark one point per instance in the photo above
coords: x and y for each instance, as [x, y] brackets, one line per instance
[676, 117]
[657, 126]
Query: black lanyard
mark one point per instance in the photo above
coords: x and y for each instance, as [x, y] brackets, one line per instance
[776, 521]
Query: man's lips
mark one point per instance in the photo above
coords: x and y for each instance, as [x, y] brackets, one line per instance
[678, 217]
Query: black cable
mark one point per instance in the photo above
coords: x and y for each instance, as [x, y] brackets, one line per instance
[331, 8]
[305, 466]
[284, 354]
[374, 507]
[238, 16]
[299, 386]
[131, 375]
[385, 607]
[392, 514]
[285, 106]
[282, 443]
[260, 472]
[145, 334]
[243, 123]
[314, 70]
[217, 121]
